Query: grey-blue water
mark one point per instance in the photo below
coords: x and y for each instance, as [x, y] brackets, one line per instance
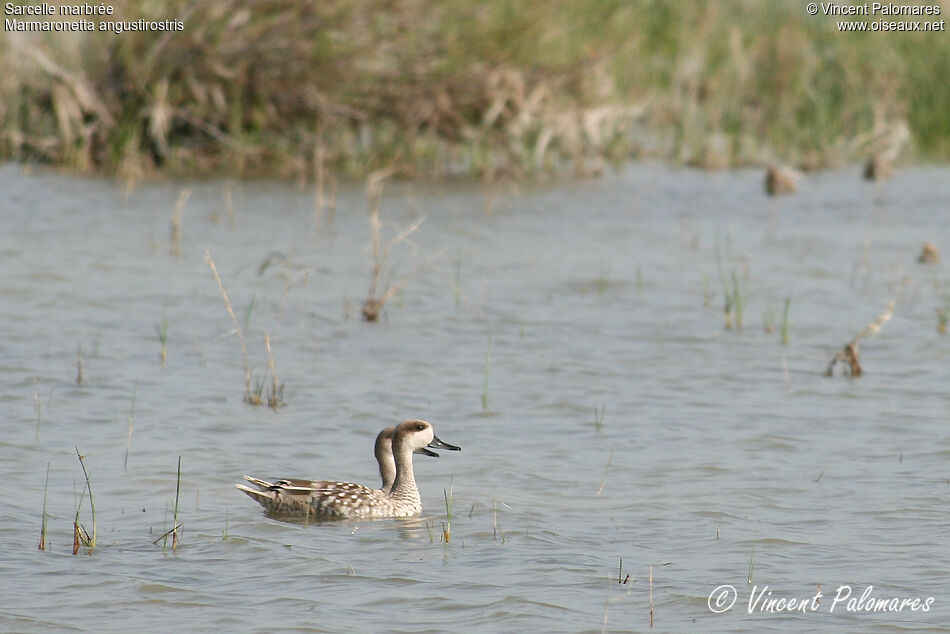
[718, 456]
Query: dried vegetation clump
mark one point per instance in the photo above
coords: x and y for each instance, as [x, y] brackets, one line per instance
[848, 355]
[929, 254]
[781, 180]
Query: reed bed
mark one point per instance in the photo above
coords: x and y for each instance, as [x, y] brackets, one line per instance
[497, 89]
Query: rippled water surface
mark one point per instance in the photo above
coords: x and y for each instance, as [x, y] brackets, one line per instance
[714, 455]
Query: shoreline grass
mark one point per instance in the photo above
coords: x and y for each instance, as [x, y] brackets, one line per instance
[456, 88]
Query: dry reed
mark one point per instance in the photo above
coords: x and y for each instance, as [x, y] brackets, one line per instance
[80, 535]
[128, 440]
[248, 395]
[38, 408]
[849, 353]
[176, 220]
[381, 292]
[42, 543]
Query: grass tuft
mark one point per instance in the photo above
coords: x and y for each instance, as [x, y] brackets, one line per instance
[733, 291]
[599, 417]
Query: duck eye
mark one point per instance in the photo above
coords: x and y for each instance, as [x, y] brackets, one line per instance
[420, 427]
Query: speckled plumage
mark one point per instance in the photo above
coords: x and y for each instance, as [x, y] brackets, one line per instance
[326, 499]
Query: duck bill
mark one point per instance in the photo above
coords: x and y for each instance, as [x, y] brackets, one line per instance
[438, 444]
[426, 452]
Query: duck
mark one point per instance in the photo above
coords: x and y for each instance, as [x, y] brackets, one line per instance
[325, 499]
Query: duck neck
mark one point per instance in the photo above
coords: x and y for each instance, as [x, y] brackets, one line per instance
[387, 470]
[404, 485]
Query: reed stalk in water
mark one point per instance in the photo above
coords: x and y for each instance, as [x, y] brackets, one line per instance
[487, 373]
[943, 316]
[79, 367]
[603, 480]
[176, 220]
[849, 353]
[248, 396]
[651, 595]
[751, 563]
[496, 527]
[599, 417]
[175, 538]
[42, 544]
[786, 324]
[449, 501]
[80, 536]
[38, 408]
[128, 440]
[768, 317]
[162, 331]
[276, 394]
[381, 291]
